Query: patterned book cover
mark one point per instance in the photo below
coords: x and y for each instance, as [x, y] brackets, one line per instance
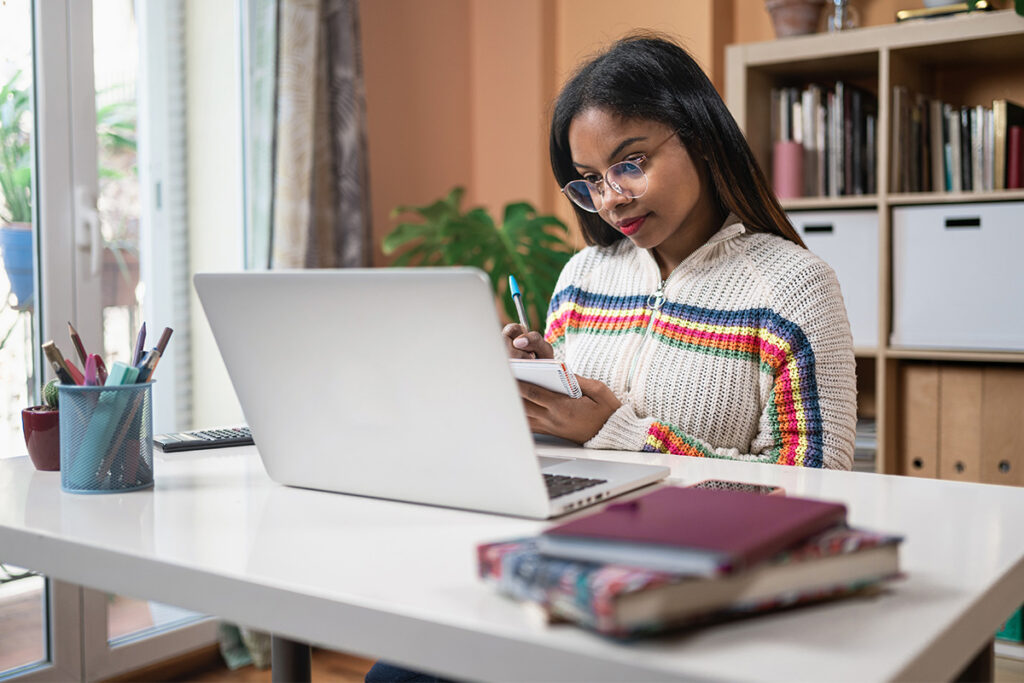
[587, 593]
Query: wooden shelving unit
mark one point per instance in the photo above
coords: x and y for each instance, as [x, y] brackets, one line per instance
[966, 59]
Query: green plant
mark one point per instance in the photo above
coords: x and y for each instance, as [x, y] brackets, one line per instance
[532, 247]
[15, 153]
[51, 395]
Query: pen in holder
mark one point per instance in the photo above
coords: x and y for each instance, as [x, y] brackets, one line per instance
[106, 441]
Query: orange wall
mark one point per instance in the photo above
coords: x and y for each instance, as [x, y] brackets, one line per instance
[458, 92]
[416, 58]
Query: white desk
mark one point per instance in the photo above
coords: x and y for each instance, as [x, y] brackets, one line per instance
[399, 581]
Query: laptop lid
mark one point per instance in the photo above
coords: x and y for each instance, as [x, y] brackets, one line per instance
[383, 382]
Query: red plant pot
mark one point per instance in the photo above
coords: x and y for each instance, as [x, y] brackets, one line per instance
[41, 425]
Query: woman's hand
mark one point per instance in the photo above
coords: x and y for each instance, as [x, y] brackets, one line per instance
[522, 344]
[576, 419]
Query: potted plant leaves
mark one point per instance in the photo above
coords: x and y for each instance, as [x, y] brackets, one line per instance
[530, 246]
[16, 191]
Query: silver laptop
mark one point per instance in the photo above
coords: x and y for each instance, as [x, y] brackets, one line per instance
[392, 383]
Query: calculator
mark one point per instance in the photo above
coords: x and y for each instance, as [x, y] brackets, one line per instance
[204, 438]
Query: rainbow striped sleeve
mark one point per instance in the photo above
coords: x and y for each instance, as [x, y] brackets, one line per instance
[576, 310]
[781, 349]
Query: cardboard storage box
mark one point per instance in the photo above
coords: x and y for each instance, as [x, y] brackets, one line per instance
[848, 241]
[957, 278]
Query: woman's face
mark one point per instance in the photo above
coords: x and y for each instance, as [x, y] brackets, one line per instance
[676, 214]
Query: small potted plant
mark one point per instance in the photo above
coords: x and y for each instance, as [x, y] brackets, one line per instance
[41, 425]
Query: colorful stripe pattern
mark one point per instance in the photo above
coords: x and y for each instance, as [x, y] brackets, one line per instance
[758, 335]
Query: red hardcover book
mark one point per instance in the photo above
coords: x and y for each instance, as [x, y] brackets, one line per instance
[1015, 158]
[702, 532]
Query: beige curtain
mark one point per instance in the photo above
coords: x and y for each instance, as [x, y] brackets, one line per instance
[321, 208]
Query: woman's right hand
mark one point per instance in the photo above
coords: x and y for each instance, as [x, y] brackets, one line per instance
[522, 344]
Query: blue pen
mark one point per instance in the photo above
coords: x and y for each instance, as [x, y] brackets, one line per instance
[517, 299]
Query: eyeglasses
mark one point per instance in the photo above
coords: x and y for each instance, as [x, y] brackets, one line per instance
[626, 177]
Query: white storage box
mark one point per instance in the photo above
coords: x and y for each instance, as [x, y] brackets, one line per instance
[958, 276]
[848, 241]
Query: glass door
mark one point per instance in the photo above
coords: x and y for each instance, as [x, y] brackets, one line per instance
[73, 89]
[40, 618]
[123, 633]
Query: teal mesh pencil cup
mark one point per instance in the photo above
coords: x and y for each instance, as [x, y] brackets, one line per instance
[106, 442]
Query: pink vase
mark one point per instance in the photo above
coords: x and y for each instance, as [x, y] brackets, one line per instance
[41, 425]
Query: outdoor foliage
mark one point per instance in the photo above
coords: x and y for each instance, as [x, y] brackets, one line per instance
[532, 247]
[15, 154]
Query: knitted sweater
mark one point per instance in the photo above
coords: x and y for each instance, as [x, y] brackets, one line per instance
[744, 352]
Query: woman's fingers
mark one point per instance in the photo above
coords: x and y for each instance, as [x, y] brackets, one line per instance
[533, 342]
[510, 333]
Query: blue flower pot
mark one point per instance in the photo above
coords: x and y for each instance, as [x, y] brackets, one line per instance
[16, 245]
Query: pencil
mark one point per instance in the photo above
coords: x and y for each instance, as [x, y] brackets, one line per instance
[140, 341]
[77, 341]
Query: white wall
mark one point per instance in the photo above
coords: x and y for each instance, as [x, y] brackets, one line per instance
[215, 212]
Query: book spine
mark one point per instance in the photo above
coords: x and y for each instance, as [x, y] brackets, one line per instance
[977, 149]
[935, 126]
[956, 174]
[1000, 146]
[966, 165]
[1015, 158]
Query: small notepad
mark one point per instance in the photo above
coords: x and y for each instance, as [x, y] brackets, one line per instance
[547, 373]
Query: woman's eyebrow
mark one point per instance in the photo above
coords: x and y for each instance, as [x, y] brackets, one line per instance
[618, 150]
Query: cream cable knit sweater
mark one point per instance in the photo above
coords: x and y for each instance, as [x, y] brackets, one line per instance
[744, 352]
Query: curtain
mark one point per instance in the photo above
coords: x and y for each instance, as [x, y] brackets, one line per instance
[321, 216]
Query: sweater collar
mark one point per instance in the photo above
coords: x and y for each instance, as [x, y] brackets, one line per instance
[718, 245]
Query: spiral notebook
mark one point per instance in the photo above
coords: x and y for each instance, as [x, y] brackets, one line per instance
[553, 375]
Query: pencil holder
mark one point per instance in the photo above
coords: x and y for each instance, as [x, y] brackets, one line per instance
[106, 441]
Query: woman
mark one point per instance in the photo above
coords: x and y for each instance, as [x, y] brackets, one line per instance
[696, 320]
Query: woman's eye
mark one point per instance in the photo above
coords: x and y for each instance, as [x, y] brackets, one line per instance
[592, 179]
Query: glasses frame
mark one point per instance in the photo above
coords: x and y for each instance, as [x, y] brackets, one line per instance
[598, 189]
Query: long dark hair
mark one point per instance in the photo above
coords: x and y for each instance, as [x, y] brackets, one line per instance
[646, 76]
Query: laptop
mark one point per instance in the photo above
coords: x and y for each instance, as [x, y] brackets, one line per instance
[392, 383]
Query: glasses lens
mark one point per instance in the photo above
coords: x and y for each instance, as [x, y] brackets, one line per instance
[584, 195]
[628, 179]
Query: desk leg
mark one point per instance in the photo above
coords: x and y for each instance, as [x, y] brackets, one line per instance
[982, 667]
[289, 661]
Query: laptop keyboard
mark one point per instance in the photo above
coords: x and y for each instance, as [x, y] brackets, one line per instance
[561, 485]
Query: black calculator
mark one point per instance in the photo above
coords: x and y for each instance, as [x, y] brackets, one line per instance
[204, 438]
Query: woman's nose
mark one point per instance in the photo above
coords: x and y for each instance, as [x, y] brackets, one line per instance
[611, 197]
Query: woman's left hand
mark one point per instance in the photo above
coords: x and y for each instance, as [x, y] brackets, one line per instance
[576, 419]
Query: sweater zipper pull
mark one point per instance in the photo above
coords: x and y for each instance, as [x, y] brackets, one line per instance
[654, 302]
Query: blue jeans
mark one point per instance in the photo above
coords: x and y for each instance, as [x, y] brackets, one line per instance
[382, 672]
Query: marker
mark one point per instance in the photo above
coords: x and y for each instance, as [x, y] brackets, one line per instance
[60, 367]
[165, 337]
[517, 299]
[148, 365]
[92, 373]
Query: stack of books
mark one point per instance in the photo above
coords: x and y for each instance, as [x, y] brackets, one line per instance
[865, 445]
[679, 557]
[837, 129]
[943, 147]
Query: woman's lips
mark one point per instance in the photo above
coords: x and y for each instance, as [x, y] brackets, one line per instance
[630, 227]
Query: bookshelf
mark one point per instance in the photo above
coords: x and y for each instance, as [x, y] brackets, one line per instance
[967, 59]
